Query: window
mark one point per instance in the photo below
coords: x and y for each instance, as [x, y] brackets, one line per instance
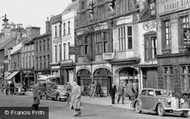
[23, 62]
[123, 6]
[68, 50]
[64, 51]
[152, 8]
[26, 62]
[55, 31]
[44, 62]
[125, 39]
[44, 45]
[150, 47]
[40, 62]
[64, 29]
[167, 34]
[144, 92]
[32, 61]
[29, 61]
[60, 30]
[69, 29]
[36, 46]
[40, 46]
[55, 53]
[105, 42]
[185, 24]
[85, 45]
[101, 12]
[37, 63]
[98, 42]
[48, 58]
[150, 93]
[129, 34]
[47, 44]
[60, 52]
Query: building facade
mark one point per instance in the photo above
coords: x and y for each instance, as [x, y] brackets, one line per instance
[147, 27]
[43, 52]
[27, 62]
[173, 45]
[56, 27]
[105, 34]
[68, 60]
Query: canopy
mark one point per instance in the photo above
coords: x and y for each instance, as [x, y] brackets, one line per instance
[12, 75]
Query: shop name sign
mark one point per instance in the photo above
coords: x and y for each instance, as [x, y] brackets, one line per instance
[108, 56]
[168, 6]
[124, 20]
[101, 26]
[74, 50]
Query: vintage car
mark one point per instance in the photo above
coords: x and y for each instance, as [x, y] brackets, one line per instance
[58, 92]
[19, 89]
[44, 87]
[160, 101]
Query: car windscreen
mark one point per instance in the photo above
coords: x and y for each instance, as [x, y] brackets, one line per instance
[163, 93]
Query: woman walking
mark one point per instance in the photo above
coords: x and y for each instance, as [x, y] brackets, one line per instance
[76, 103]
[92, 88]
[36, 97]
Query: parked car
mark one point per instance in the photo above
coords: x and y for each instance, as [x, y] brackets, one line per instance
[160, 101]
[44, 87]
[19, 89]
[58, 92]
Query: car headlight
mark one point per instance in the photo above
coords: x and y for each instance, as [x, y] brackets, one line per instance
[182, 100]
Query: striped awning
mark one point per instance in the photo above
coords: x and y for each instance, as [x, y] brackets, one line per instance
[12, 75]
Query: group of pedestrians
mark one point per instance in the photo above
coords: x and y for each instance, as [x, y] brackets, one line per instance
[8, 88]
[129, 90]
[95, 90]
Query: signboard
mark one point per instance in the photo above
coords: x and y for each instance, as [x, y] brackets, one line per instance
[124, 20]
[168, 6]
[108, 56]
[74, 50]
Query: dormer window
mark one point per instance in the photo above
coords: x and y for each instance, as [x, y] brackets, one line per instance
[152, 9]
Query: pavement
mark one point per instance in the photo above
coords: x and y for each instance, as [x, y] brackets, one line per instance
[104, 101]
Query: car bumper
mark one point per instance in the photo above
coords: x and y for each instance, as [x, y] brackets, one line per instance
[177, 111]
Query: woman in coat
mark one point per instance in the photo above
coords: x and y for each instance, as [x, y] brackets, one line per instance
[36, 97]
[92, 88]
[76, 99]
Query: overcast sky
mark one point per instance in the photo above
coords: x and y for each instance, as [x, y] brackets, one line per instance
[31, 12]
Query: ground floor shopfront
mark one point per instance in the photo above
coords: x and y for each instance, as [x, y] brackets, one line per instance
[108, 72]
[14, 76]
[174, 72]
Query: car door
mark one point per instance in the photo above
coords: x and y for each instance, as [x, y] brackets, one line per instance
[142, 97]
[149, 99]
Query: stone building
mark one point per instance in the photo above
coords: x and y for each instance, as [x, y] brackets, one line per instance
[173, 45]
[105, 35]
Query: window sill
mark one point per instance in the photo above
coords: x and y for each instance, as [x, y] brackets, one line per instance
[124, 50]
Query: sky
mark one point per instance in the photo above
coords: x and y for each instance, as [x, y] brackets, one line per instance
[31, 12]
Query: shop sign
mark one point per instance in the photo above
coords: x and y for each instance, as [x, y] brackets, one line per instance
[108, 56]
[101, 26]
[74, 50]
[168, 6]
[124, 20]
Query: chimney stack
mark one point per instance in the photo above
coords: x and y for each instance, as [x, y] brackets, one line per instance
[48, 26]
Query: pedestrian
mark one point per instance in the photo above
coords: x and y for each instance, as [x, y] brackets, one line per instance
[12, 87]
[98, 89]
[92, 88]
[7, 87]
[121, 90]
[69, 89]
[2, 87]
[113, 90]
[36, 97]
[76, 103]
[135, 88]
[129, 90]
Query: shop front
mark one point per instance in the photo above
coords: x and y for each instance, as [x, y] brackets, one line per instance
[84, 77]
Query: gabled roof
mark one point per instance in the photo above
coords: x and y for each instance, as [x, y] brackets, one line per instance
[72, 6]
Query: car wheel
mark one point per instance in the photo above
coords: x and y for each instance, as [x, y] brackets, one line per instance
[184, 114]
[160, 110]
[137, 107]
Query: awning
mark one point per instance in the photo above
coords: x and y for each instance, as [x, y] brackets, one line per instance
[12, 75]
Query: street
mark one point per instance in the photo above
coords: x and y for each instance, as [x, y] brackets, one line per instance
[60, 110]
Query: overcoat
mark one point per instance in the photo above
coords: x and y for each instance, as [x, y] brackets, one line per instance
[36, 97]
[92, 89]
[76, 97]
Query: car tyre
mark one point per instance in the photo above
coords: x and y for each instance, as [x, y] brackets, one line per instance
[160, 110]
[137, 107]
[57, 97]
[184, 114]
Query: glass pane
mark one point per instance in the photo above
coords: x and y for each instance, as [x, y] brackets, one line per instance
[129, 30]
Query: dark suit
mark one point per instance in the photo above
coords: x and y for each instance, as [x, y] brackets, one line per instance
[113, 90]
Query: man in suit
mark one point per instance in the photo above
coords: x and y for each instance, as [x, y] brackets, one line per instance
[113, 90]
